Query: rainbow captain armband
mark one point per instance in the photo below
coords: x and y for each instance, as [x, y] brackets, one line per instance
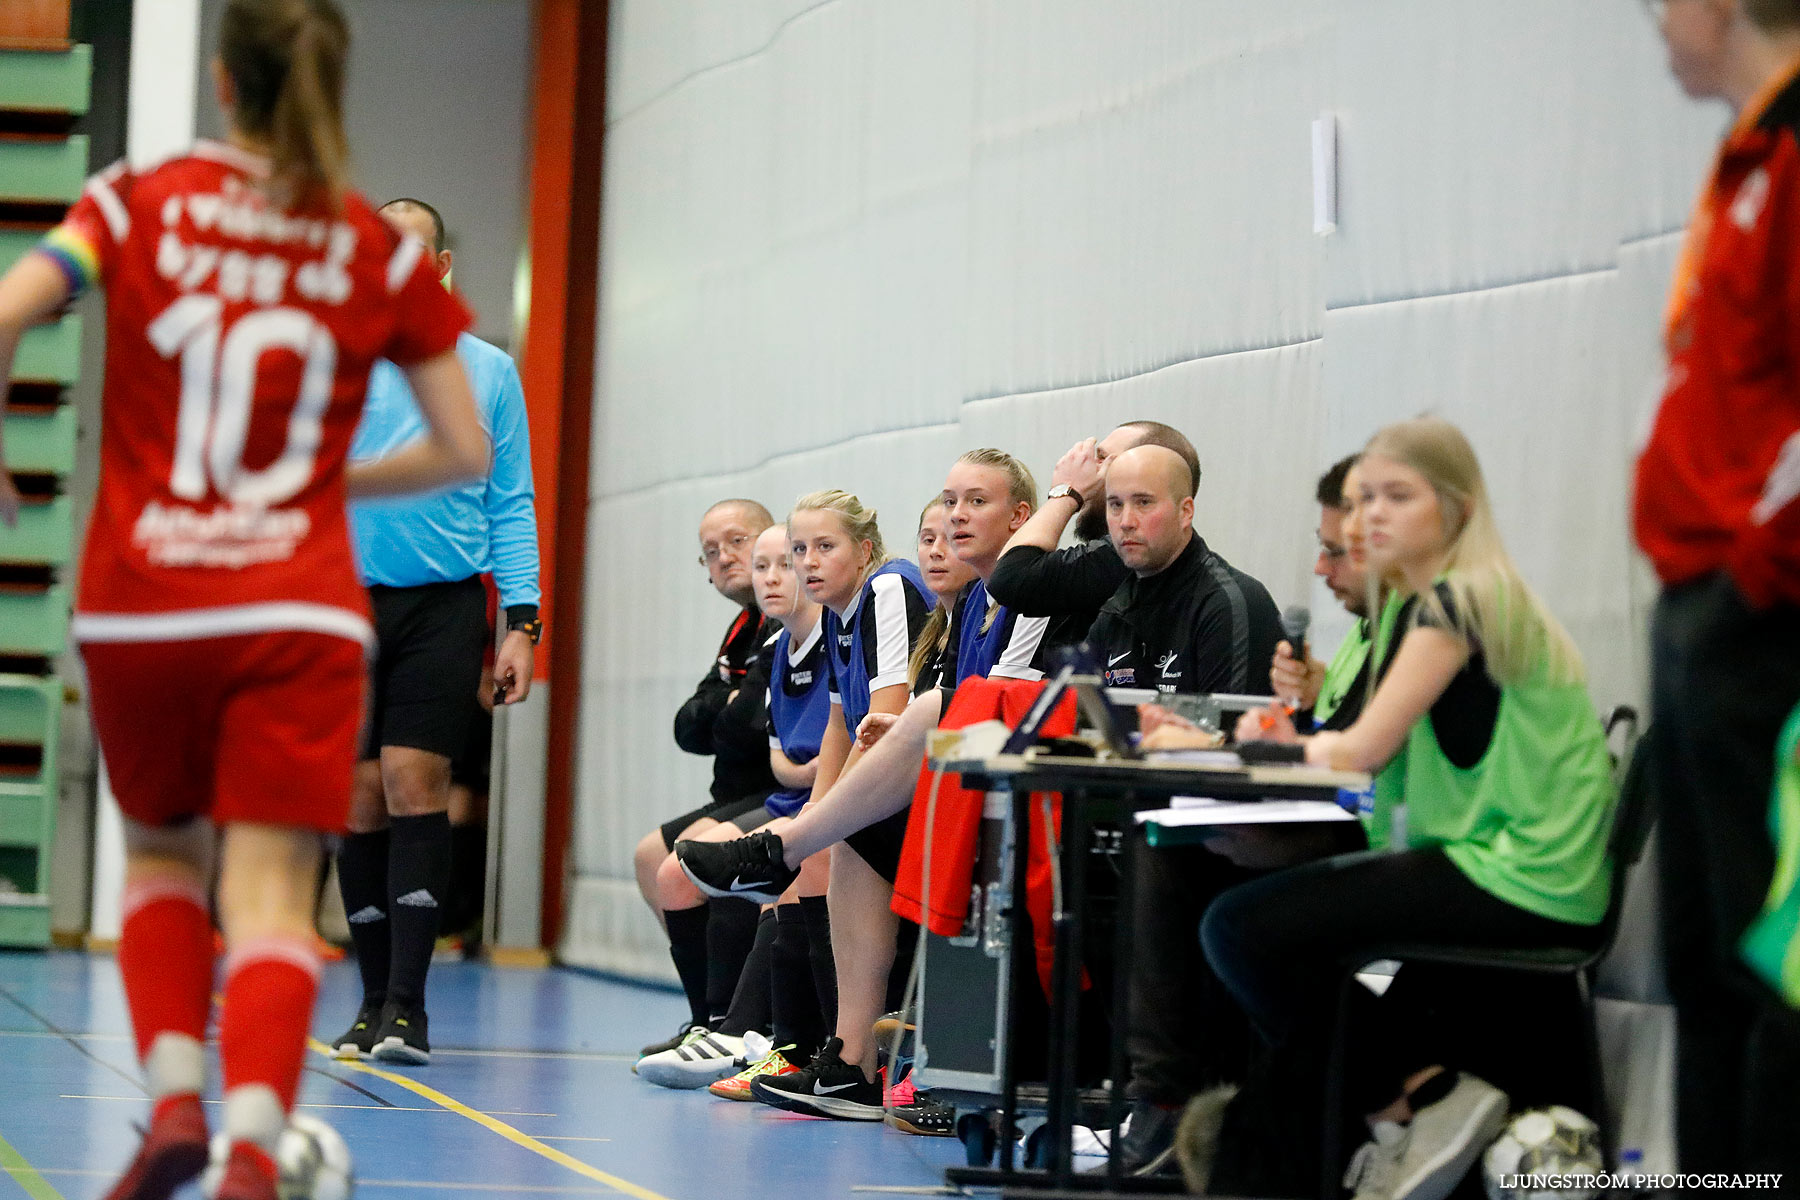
[74, 256]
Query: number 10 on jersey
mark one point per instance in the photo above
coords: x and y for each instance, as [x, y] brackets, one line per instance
[218, 385]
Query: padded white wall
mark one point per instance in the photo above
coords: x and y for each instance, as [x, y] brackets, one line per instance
[846, 239]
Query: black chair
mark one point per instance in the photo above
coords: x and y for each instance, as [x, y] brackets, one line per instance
[1633, 817]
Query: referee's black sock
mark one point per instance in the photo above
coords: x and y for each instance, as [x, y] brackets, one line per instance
[818, 949]
[730, 933]
[418, 881]
[363, 883]
[750, 1002]
[793, 999]
[468, 877]
[687, 949]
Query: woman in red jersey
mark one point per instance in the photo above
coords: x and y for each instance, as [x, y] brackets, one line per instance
[248, 292]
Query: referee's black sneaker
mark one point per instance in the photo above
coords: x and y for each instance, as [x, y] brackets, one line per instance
[829, 1087]
[746, 868]
[359, 1040]
[401, 1037]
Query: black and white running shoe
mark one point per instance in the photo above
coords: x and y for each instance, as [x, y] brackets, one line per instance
[746, 868]
[401, 1035]
[681, 1036]
[358, 1041]
[703, 1057]
[830, 1087]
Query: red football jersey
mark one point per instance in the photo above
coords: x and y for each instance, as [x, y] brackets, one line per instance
[239, 342]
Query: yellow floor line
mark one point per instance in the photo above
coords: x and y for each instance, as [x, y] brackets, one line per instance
[25, 1175]
[480, 1118]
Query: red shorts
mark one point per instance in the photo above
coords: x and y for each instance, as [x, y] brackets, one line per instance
[256, 727]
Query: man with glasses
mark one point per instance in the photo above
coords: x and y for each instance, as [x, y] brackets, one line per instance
[723, 718]
[1332, 695]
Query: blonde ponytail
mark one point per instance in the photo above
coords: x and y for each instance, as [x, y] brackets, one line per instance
[1021, 488]
[858, 522]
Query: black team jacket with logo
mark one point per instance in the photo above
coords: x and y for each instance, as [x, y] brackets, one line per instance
[711, 722]
[1198, 625]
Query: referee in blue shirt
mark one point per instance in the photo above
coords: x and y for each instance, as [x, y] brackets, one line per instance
[423, 558]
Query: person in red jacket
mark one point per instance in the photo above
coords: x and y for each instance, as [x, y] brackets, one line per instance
[1716, 511]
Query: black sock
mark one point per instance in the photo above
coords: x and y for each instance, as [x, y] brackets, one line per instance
[906, 945]
[468, 877]
[793, 999]
[730, 933]
[418, 880]
[750, 1002]
[818, 950]
[687, 947]
[363, 883]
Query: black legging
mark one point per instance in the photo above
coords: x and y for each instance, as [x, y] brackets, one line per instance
[1724, 676]
[1280, 944]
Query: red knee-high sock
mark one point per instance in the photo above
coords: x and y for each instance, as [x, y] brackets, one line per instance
[270, 983]
[166, 959]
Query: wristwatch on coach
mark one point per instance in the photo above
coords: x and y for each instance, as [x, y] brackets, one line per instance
[1062, 490]
[523, 618]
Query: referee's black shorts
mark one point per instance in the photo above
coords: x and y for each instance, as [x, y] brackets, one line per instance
[428, 647]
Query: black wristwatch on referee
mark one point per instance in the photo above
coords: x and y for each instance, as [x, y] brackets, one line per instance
[523, 618]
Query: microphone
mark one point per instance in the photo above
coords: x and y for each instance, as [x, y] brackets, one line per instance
[1294, 620]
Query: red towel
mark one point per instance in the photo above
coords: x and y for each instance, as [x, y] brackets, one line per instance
[955, 829]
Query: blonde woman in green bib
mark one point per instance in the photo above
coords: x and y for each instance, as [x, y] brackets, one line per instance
[1493, 804]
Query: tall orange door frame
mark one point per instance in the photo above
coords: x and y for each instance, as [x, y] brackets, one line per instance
[557, 369]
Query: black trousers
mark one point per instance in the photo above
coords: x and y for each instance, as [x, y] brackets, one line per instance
[1723, 679]
[1279, 944]
[1186, 1033]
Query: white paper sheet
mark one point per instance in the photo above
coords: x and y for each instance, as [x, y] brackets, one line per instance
[1198, 810]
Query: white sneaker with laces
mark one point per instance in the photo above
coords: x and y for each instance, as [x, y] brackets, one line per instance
[1376, 1164]
[1446, 1138]
[702, 1058]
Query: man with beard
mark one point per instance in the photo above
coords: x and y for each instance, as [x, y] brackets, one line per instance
[1034, 577]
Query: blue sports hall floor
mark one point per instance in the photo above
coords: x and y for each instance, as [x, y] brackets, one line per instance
[529, 1093]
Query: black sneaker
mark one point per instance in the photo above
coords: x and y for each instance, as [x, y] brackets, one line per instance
[1149, 1144]
[926, 1116]
[746, 868]
[359, 1039]
[830, 1087]
[401, 1037]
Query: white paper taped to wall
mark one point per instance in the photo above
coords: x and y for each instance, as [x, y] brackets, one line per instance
[1325, 173]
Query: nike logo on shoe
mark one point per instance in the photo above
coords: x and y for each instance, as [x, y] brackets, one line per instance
[819, 1088]
[741, 885]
